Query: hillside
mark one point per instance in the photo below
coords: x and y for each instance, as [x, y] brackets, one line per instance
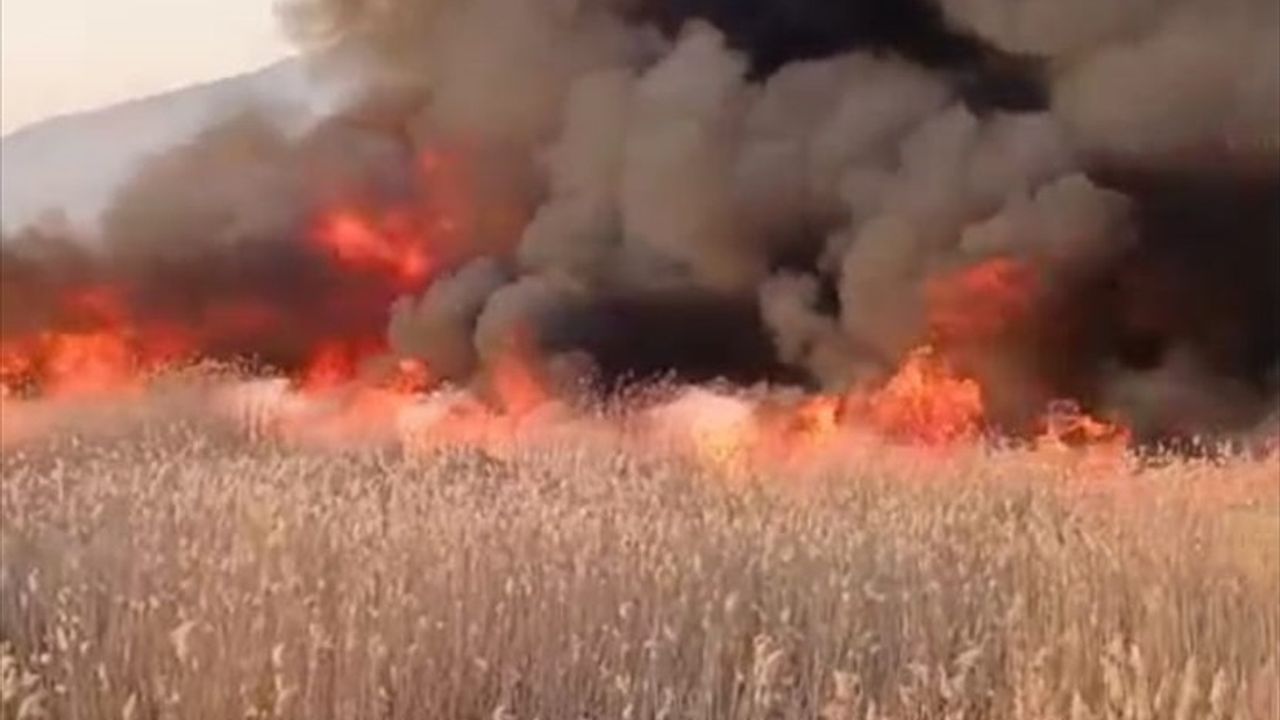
[75, 162]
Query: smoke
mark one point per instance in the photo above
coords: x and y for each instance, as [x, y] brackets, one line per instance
[1070, 223]
[803, 335]
[676, 198]
[578, 227]
[210, 237]
[1149, 79]
[1179, 397]
[759, 190]
[436, 326]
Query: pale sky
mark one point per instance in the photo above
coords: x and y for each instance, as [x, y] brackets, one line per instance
[59, 56]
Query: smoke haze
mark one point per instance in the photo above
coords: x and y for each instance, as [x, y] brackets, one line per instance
[755, 190]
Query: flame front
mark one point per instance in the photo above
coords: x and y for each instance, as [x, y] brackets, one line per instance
[349, 387]
[102, 351]
[925, 401]
[104, 336]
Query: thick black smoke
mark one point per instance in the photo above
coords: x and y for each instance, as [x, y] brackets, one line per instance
[774, 34]
[766, 189]
[214, 236]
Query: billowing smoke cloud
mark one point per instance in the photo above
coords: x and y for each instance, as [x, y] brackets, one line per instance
[437, 327]
[213, 237]
[1150, 79]
[768, 190]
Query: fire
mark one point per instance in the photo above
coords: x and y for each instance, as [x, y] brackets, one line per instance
[817, 419]
[1065, 425]
[516, 378]
[406, 243]
[719, 431]
[801, 431]
[389, 245]
[350, 388]
[17, 365]
[105, 352]
[925, 401]
[981, 301]
[329, 406]
[409, 376]
[359, 366]
[82, 363]
[100, 338]
[367, 414]
[332, 364]
[449, 418]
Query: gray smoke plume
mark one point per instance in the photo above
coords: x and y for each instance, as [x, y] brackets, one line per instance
[436, 327]
[1150, 79]
[603, 162]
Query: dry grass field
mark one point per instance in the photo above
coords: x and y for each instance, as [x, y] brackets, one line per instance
[179, 571]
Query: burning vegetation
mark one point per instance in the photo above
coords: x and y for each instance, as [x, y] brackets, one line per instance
[932, 227]
[670, 359]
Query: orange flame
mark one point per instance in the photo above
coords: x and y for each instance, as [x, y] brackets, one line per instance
[107, 352]
[332, 364]
[389, 245]
[409, 376]
[981, 301]
[83, 363]
[17, 364]
[404, 244]
[817, 418]
[96, 340]
[1064, 425]
[516, 381]
[925, 401]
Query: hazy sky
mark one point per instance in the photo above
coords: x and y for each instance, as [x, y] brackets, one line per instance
[59, 56]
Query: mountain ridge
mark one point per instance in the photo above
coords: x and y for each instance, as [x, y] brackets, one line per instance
[74, 162]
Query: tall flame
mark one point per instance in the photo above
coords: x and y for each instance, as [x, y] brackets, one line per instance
[925, 401]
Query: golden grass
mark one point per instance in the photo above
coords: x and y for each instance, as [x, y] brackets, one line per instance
[178, 572]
